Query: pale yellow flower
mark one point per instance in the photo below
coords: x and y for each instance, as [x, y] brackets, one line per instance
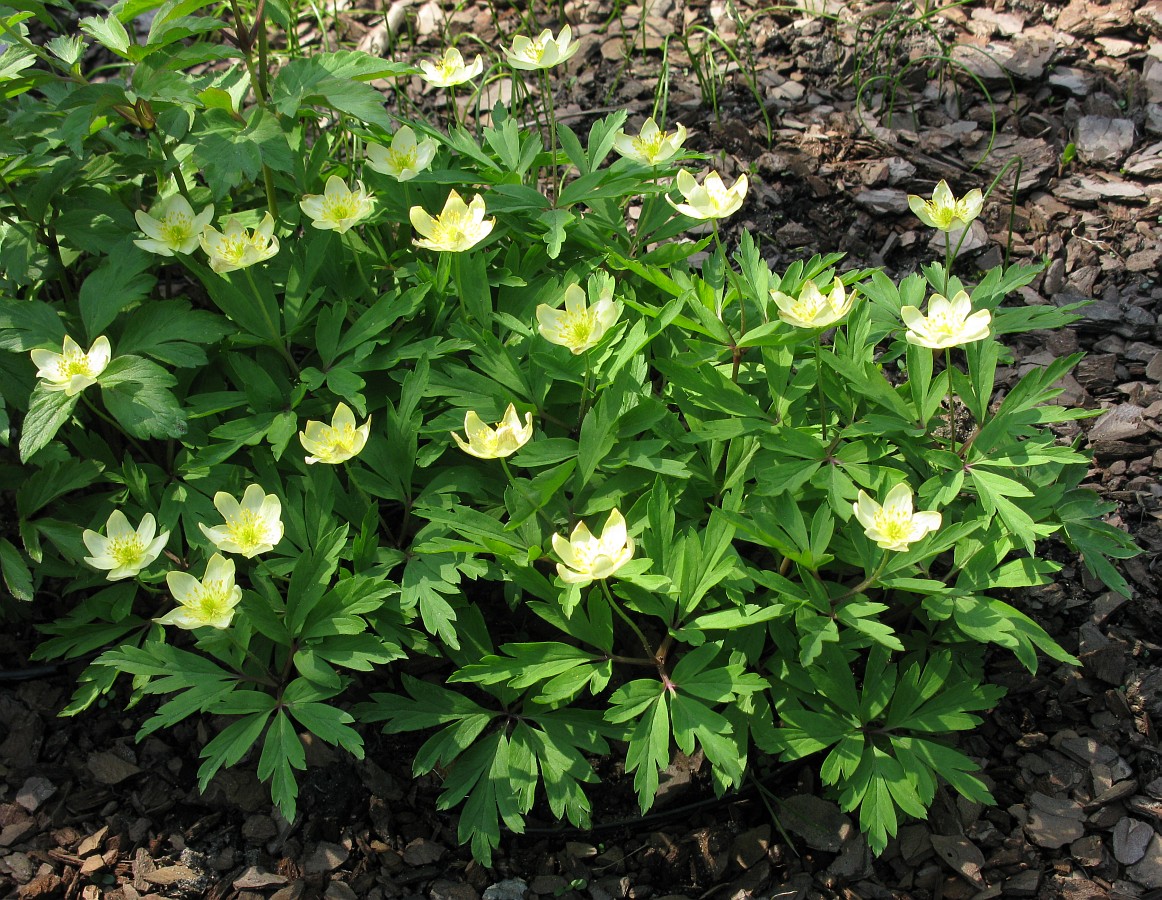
[493, 443]
[206, 603]
[406, 157]
[456, 228]
[944, 211]
[238, 247]
[812, 308]
[449, 70]
[72, 370]
[894, 526]
[948, 323]
[542, 52]
[578, 326]
[253, 526]
[171, 227]
[337, 442]
[651, 146]
[711, 199]
[123, 549]
[338, 208]
[585, 558]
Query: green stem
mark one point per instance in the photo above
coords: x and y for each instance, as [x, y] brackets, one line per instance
[551, 115]
[819, 384]
[586, 391]
[951, 400]
[109, 420]
[453, 109]
[532, 501]
[183, 189]
[371, 503]
[631, 623]
[276, 341]
[866, 583]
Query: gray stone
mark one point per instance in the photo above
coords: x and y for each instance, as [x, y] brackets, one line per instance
[255, 879]
[976, 238]
[1023, 884]
[445, 889]
[509, 889]
[817, 821]
[338, 890]
[1131, 838]
[1075, 81]
[1102, 140]
[326, 857]
[883, 201]
[1048, 830]
[1148, 870]
[34, 792]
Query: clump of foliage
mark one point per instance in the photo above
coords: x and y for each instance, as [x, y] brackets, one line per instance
[295, 389]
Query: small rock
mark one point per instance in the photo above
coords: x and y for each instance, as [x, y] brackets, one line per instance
[1154, 368]
[854, 860]
[1131, 838]
[422, 852]
[258, 829]
[1087, 851]
[1023, 884]
[1087, 750]
[549, 885]
[962, 856]
[326, 857]
[509, 889]
[255, 879]
[446, 889]
[1119, 423]
[1075, 81]
[1048, 830]
[817, 821]
[338, 890]
[1144, 260]
[168, 875]
[109, 768]
[34, 792]
[976, 238]
[751, 846]
[883, 201]
[1148, 870]
[1103, 140]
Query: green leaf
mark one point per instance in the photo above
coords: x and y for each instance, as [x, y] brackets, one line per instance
[47, 412]
[426, 581]
[330, 724]
[109, 32]
[282, 753]
[649, 750]
[120, 282]
[229, 151]
[17, 575]
[230, 745]
[137, 393]
[171, 332]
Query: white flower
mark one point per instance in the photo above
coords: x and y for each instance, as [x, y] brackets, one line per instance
[337, 442]
[492, 443]
[577, 326]
[72, 370]
[812, 308]
[253, 526]
[458, 227]
[171, 227]
[405, 159]
[542, 52]
[206, 603]
[894, 526]
[652, 146]
[585, 558]
[711, 199]
[238, 247]
[123, 549]
[948, 323]
[338, 208]
[944, 211]
[449, 70]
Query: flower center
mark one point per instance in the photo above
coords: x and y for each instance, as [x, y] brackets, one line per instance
[576, 329]
[177, 228]
[210, 599]
[651, 148]
[247, 529]
[403, 159]
[807, 308]
[72, 363]
[536, 51]
[449, 227]
[233, 247]
[339, 208]
[126, 550]
[893, 524]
